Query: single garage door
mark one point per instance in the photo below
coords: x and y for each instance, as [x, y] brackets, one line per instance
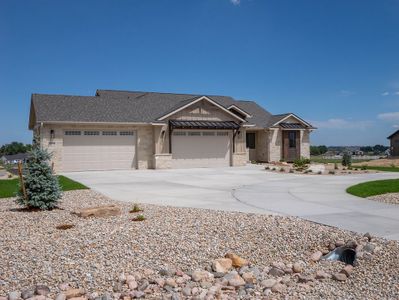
[98, 150]
[200, 149]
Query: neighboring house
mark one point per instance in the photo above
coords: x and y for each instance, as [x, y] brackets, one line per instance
[394, 138]
[14, 159]
[145, 130]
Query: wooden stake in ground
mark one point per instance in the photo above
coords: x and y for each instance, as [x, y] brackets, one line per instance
[21, 179]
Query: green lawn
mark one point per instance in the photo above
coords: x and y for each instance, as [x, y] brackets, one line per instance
[372, 188]
[384, 169]
[8, 187]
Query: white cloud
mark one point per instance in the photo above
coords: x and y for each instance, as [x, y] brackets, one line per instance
[395, 126]
[397, 93]
[342, 124]
[235, 2]
[390, 117]
[346, 93]
[385, 94]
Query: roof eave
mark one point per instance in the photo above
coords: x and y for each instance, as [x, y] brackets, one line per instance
[195, 100]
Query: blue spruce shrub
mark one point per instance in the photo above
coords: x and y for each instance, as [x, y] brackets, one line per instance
[42, 186]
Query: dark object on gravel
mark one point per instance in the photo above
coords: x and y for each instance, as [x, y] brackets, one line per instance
[344, 254]
[65, 226]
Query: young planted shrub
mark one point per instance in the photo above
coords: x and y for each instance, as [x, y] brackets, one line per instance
[301, 164]
[347, 159]
[42, 188]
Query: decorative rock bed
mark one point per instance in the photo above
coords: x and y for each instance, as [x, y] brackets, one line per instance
[390, 198]
[179, 253]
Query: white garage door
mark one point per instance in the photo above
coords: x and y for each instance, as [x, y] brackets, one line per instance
[198, 149]
[98, 150]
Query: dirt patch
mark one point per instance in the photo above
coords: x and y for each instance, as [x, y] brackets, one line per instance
[386, 162]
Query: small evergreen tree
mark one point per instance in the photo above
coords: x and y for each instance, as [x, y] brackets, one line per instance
[42, 187]
[347, 159]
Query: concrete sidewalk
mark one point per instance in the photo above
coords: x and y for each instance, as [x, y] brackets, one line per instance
[251, 189]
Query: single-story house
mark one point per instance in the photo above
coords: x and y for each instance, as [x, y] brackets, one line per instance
[394, 138]
[147, 130]
[14, 158]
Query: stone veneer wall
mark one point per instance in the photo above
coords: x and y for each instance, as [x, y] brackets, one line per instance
[262, 146]
[275, 144]
[239, 159]
[305, 143]
[162, 161]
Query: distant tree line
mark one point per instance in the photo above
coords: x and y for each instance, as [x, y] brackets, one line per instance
[377, 149]
[318, 150]
[371, 150]
[14, 148]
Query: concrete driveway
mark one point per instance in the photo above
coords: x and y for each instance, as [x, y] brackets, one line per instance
[251, 189]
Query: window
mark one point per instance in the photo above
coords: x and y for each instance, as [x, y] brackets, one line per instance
[194, 133]
[208, 133]
[72, 132]
[251, 140]
[179, 133]
[109, 133]
[91, 133]
[222, 133]
[126, 133]
[292, 139]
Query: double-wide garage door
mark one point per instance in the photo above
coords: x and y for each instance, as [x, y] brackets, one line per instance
[200, 149]
[85, 150]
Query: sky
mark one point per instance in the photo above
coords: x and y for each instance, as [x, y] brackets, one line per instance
[334, 63]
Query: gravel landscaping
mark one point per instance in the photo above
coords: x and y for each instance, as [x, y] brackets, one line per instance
[179, 253]
[390, 198]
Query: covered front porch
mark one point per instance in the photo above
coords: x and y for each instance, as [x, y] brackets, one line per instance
[287, 142]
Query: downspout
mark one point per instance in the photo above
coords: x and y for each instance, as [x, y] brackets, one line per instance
[235, 131]
[170, 137]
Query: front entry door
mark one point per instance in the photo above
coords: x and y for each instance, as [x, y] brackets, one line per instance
[291, 147]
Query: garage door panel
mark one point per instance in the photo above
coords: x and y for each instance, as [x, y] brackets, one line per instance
[196, 151]
[98, 152]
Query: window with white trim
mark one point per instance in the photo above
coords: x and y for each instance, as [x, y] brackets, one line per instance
[179, 133]
[208, 133]
[91, 133]
[194, 133]
[222, 133]
[124, 133]
[110, 132]
[73, 132]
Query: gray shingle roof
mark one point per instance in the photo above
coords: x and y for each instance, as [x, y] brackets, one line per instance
[131, 107]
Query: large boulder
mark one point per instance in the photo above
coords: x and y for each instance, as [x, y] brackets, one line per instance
[98, 211]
